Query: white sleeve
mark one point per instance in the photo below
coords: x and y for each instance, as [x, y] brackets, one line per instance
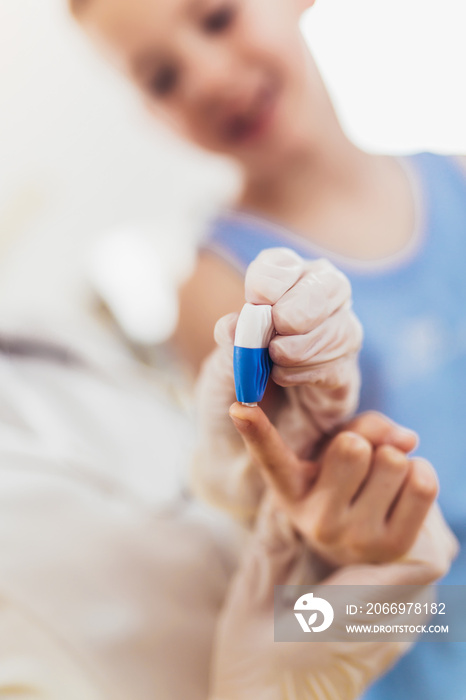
[101, 598]
[61, 543]
[34, 664]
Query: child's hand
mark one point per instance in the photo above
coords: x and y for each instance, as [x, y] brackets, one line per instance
[363, 501]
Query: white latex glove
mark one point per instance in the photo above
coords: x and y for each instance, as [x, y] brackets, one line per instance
[249, 665]
[314, 358]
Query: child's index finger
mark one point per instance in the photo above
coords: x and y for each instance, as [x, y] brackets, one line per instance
[284, 471]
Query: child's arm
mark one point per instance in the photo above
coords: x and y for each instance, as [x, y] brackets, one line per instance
[213, 290]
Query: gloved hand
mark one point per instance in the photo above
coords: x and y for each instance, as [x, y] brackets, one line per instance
[249, 665]
[315, 373]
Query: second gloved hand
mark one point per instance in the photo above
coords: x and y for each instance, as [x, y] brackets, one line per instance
[249, 665]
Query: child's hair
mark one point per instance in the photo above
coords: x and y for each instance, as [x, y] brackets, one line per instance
[75, 6]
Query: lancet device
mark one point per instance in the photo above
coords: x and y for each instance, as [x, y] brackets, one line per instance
[251, 360]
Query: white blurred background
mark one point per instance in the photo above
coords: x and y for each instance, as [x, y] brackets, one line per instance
[79, 157]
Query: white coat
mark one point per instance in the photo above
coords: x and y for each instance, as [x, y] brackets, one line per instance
[104, 594]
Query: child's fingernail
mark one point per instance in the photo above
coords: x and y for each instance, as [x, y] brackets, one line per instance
[241, 423]
[406, 433]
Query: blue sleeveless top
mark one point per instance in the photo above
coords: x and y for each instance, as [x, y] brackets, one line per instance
[413, 363]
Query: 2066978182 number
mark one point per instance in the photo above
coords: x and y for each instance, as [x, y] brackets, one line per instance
[405, 608]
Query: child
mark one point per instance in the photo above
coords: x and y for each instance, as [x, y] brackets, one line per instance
[235, 77]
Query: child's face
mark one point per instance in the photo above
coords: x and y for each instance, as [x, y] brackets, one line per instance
[229, 75]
